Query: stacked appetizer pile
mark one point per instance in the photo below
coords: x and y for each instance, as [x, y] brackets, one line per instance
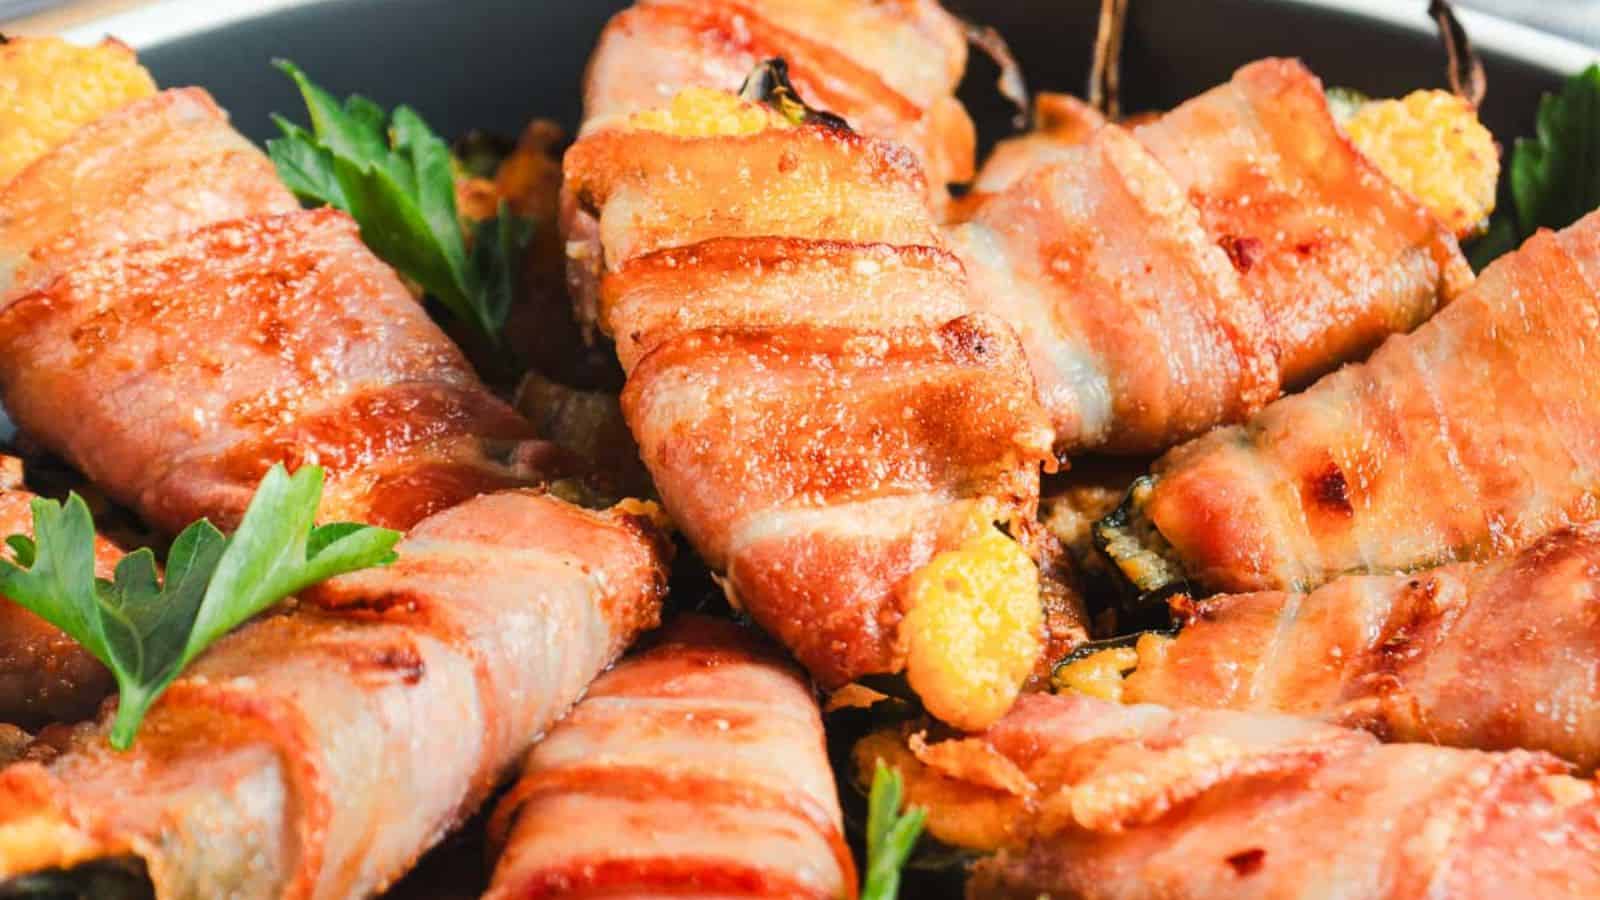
[1364, 559]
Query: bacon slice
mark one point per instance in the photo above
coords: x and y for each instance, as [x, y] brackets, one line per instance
[1335, 254]
[762, 282]
[1492, 656]
[776, 448]
[45, 676]
[214, 354]
[1139, 801]
[153, 169]
[815, 433]
[1134, 321]
[889, 68]
[1060, 122]
[694, 767]
[1465, 440]
[164, 277]
[1178, 275]
[317, 752]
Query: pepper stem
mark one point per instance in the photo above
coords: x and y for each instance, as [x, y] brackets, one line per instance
[1464, 69]
[1104, 73]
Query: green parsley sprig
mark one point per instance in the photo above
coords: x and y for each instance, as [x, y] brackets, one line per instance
[891, 835]
[147, 629]
[396, 178]
[1554, 176]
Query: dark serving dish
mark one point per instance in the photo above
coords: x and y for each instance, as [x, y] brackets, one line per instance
[494, 64]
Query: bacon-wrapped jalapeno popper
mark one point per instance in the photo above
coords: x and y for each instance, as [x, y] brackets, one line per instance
[168, 290]
[303, 756]
[1178, 275]
[1421, 657]
[272, 338]
[319, 752]
[1115, 801]
[695, 768]
[820, 441]
[1467, 439]
[1136, 327]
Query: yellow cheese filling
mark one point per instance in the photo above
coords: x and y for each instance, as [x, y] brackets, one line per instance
[973, 626]
[697, 112]
[49, 88]
[1431, 144]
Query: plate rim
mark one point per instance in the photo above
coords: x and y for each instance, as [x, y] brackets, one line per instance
[172, 20]
[1491, 32]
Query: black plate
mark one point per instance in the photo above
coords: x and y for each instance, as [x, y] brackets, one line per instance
[494, 63]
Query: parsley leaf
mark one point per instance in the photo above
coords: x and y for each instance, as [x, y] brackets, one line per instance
[497, 252]
[396, 178]
[1554, 177]
[146, 629]
[890, 834]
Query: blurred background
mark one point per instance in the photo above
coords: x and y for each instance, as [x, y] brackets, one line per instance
[1575, 19]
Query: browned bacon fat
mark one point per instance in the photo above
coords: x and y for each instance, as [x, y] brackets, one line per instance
[819, 417]
[890, 69]
[694, 769]
[1465, 440]
[14, 743]
[1492, 656]
[1181, 274]
[1140, 801]
[318, 752]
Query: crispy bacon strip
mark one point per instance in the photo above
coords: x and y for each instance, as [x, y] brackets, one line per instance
[1136, 326]
[213, 354]
[1492, 656]
[817, 419]
[821, 418]
[1178, 275]
[1466, 440]
[890, 69]
[694, 767]
[1140, 801]
[316, 753]
[170, 293]
[155, 168]
[1336, 255]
